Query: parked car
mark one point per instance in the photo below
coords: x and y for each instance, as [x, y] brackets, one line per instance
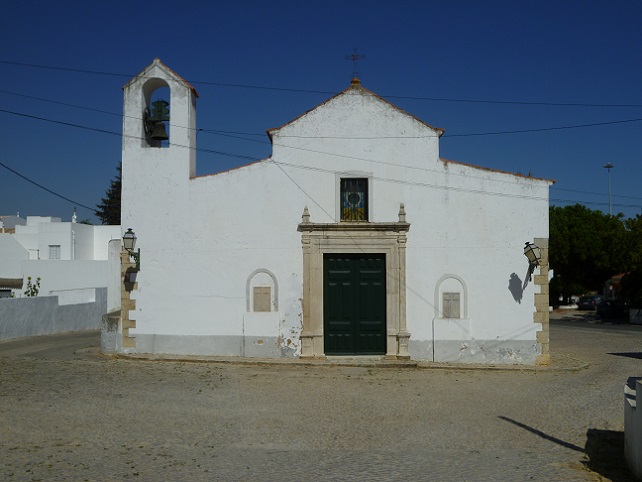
[612, 309]
[589, 302]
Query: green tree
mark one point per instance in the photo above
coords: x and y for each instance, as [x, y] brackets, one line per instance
[586, 249]
[109, 209]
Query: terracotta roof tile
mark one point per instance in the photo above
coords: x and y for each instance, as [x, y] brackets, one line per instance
[448, 161]
[11, 283]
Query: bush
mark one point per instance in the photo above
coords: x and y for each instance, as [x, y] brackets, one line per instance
[32, 289]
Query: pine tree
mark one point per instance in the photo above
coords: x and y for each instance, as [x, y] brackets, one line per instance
[109, 209]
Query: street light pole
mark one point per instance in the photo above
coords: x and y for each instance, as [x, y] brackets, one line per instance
[608, 167]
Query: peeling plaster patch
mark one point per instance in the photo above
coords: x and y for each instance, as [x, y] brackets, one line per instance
[288, 341]
[287, 352]
[507, 353]
[294, 341]
[474, 351]
[259, 342]
[287, 346]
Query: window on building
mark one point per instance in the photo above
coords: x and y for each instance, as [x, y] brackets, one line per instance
[354, 199]
[262, 298]
[450, 305]
[54, 251]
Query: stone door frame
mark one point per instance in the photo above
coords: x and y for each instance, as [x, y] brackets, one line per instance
[354, 237]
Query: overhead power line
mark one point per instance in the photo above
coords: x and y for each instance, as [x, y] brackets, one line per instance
[238, 134]
[231, 134]
[70, 124]
[64, 69]
[250, 158]
[105, 131]
[66, 104]
[325, 92]
[555, 188]
[543, 129]
[594, 203]
[75, 203]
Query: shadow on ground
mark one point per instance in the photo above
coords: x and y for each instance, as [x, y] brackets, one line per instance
[633, 354]
[605, 450]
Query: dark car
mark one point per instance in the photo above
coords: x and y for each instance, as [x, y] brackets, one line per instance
[589, 302]
[612, 309]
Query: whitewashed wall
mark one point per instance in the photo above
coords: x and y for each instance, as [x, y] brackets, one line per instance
[466, 222]
[12, 253]
[102, 235]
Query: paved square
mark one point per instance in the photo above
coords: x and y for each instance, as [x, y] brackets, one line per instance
[71, 414]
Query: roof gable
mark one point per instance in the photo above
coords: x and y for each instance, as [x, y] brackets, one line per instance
[355, 88]
[147, 72]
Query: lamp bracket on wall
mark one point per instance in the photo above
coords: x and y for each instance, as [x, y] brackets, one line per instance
[129, 243]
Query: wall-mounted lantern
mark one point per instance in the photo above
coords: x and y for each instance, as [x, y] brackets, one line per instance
[534, 254]
[129, 243]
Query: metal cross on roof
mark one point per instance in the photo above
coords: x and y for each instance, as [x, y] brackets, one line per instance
[355, 57]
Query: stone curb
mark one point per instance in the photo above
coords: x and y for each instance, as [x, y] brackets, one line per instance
[559, 362]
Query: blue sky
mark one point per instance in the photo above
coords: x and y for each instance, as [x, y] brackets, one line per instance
[259, 64]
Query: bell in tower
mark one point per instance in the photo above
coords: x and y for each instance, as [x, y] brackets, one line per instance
[154, 121]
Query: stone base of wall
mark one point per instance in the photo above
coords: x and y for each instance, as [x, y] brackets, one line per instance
[512, 352]
[466, 351]
[248, 346]
[109, 333]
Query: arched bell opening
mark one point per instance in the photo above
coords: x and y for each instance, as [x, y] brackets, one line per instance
[156, 113]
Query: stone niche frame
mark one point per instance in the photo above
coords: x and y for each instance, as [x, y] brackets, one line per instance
[354, 237]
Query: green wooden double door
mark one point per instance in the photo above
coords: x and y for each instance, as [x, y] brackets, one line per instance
[354, 304]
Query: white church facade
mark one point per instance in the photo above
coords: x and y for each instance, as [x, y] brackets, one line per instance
[353, 238]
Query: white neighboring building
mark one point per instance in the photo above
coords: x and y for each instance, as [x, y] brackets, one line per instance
[353, 238]
[12, 254]
[64, 255]
[48, 238]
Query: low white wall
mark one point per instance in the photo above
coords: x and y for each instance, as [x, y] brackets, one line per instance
[633, 425]
[46, 315]
[58, 275]
[75, 297]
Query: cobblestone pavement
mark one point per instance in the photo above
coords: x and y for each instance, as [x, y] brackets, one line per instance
[69, 413]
